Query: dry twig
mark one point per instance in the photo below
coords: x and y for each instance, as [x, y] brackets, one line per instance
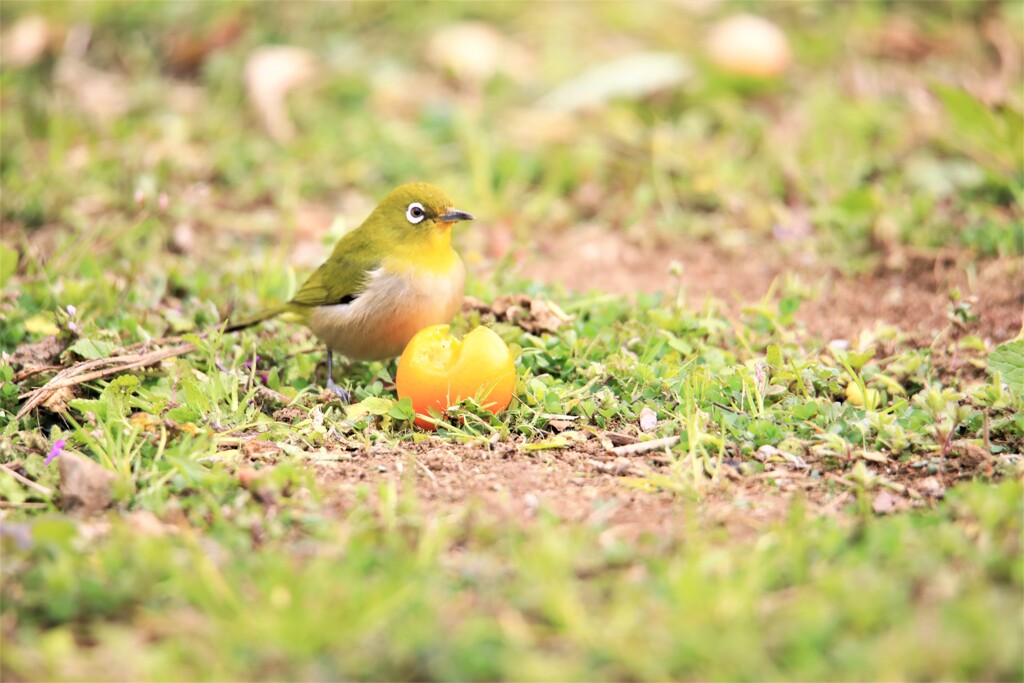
[28, 482]
[645, 446]
[86, 371]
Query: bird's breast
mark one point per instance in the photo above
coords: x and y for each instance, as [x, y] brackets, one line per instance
[395, 305]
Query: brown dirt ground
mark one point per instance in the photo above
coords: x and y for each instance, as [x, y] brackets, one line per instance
[586, 484]
[910, 290]
[582, 485]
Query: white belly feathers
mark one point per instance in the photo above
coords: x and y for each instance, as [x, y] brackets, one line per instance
[394, 307]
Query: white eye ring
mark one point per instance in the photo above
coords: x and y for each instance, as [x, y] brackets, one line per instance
[415, 213]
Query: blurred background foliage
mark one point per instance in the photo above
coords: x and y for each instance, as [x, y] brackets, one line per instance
[232, 134]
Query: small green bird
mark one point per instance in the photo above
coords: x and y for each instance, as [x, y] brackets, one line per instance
[385, 281]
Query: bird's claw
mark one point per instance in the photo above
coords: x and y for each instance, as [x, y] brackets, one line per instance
[343, 395]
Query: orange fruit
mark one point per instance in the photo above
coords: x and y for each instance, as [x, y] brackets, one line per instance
[437, 370]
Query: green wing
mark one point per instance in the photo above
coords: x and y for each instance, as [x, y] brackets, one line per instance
[342, 278]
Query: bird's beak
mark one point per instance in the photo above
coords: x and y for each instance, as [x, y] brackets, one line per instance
[455, 215]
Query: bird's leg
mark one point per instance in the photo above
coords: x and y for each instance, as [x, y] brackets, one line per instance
[342, 394]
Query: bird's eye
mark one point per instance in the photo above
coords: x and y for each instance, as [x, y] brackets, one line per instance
[415, 213]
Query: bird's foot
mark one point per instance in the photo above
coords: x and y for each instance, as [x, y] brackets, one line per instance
[343, 395]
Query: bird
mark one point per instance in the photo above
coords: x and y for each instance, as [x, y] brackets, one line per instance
[394, 275]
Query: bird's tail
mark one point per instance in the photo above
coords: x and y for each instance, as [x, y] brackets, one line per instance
[265, 314]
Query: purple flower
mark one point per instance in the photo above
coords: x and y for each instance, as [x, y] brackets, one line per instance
[58, 446]
[247, 365]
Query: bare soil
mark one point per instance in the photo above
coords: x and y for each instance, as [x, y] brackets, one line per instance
[910, 290]
[586, 484]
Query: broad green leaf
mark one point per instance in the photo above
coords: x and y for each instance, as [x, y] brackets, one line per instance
[196, 397]
[12, 490]
[857, 359]
[92, 349]
[371, 405]
[118, 393]
[182, 414]
[89, 405]
[805, 411]
[963, 108]
[403, 409]
[992, 137]
[1008, 360]
[123, 383]
[789, 306]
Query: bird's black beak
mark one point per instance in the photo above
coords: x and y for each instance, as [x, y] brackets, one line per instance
[455, 215]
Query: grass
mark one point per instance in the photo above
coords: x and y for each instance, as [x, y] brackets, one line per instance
[914, 596]
[230, 554]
